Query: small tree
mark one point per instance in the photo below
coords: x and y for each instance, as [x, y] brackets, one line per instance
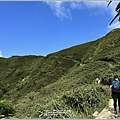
[6, 108]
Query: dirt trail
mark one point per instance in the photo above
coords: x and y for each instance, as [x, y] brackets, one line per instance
[107, 112]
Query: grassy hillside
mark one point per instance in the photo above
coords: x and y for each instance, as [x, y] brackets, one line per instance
[64, 80]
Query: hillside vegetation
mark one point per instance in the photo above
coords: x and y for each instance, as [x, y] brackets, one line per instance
[64, 80]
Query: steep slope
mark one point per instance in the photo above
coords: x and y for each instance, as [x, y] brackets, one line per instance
[22, 75]
[14, 69]
[109, 47]
[36, 83]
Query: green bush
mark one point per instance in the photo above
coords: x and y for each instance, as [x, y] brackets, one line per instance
[87, 99]
[6, 108]
[82, 102]
[106, 79]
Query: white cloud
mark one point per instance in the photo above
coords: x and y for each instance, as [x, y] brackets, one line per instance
[76, 5]
[111, 10]
[99, 6]
[60, 10]
[103, 5]
[95, 4]
[1, 54]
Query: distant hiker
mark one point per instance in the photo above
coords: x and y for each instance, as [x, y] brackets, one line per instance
[115, 93]
[97, 80]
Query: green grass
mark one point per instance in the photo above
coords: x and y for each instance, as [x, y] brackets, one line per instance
[62, 80]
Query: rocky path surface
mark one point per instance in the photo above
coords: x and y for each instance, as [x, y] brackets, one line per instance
[107, 112]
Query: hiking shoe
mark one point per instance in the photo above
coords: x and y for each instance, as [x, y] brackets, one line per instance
[115, 112]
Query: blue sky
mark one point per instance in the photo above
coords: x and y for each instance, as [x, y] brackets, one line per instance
[41, 28]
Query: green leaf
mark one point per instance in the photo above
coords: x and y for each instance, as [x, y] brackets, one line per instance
[109, 3]
[118, 7]
[114, 18]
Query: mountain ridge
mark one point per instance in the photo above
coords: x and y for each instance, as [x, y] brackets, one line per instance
[36, 83]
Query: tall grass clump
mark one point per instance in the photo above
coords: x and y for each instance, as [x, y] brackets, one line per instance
[80, 102]
[87, 99]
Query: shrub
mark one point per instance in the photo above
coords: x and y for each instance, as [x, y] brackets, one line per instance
[6, 108]
[86, 100]
[106, 79]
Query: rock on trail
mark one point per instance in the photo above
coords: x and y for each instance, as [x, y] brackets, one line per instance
[107, 112]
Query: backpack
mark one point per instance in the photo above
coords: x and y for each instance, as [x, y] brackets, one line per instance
[116, 85]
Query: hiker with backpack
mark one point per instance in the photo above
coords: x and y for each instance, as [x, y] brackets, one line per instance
[115, 93]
